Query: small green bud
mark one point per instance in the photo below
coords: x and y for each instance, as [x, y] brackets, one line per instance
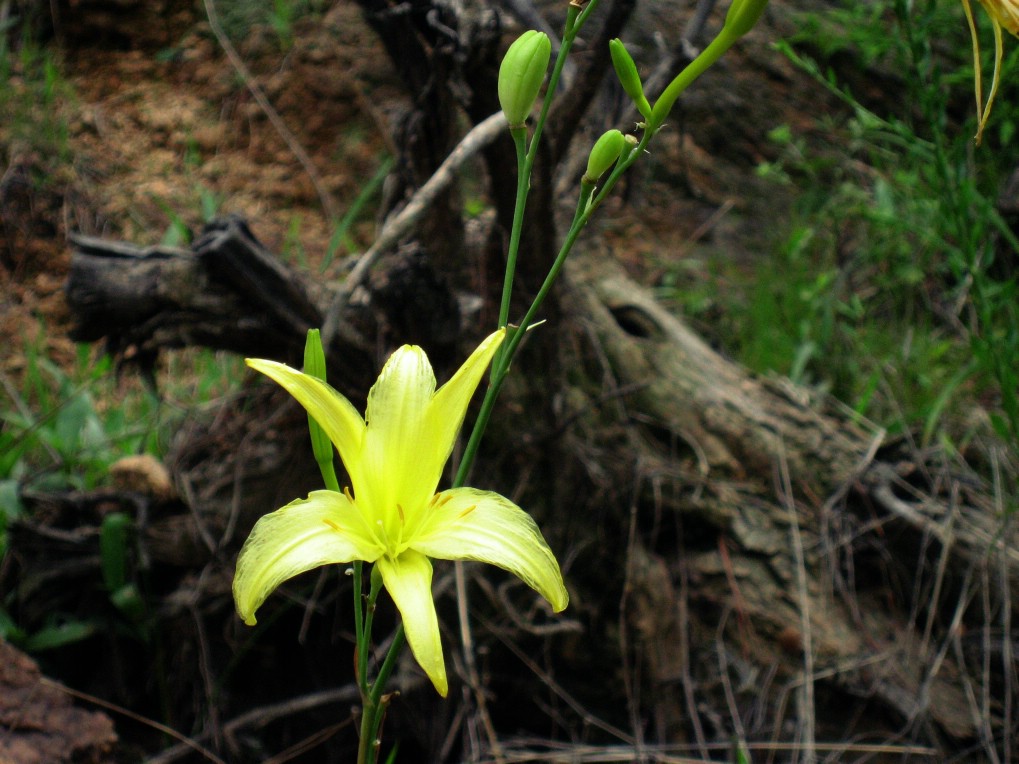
[604, 153]
[315, 366]
[521, 73]
[742, 16]
[626, 71]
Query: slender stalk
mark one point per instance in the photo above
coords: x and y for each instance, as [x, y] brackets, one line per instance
[376, 702]
[366, 743]
[662, 107]
[360, 637]
[369, 616]
[399, 640]
[501, 364]
[526, 154]
[714, 51]
[372, 707]
[519, 135]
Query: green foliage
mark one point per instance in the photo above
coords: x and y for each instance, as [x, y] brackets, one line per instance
[202, 204]
[342, 232]
[894, 285]
[32, 97]
[56, 435]
[241, 16]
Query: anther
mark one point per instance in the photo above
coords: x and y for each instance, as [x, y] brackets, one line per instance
[467, 511]
[330, 523]
[348, 494]
[403, 518]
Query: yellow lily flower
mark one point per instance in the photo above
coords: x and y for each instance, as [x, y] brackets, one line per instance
[1003, 13]
[393, 516]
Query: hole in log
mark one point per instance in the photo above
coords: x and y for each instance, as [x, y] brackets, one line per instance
[634, 321]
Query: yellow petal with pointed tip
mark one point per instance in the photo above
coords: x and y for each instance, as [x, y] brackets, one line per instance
[322, 529]
[408, 579]
[412, 428]
[334, 413]
[399, 463]
[449, 406]
[468, 524]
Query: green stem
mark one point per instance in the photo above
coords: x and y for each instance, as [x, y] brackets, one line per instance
[376, 702]
[366, 744]
[399, 640]
[373, 595]
[716, 48]
[501, 364]
[526, 155]
[359, 634]
[373, 704]
[519, 135]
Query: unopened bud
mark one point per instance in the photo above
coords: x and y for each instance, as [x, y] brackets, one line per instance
[521, 74]
[626, 71]
[742, 16]
[315, 366]
[604, 153]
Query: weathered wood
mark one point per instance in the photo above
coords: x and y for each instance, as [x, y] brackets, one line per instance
[229, 293]
[767, 467]
[226, 293]
[38, 722]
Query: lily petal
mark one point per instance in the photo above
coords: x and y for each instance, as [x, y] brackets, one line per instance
[449, 405]
[334, 413]
[399, 466]
[1004, 12]
[324, 528]
[468, 524]
[408, 579]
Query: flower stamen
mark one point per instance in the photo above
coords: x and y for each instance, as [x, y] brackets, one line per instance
[331, 524]
[467, 511]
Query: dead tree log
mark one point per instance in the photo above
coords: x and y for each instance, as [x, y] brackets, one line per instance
[801, 501]
[229, 293]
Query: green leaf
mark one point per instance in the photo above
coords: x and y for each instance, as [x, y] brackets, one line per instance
[59, 635]
[114, 537]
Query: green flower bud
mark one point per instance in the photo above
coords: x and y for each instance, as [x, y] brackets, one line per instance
[521, 74]
[626, 71]
[742, 16]
[604, 153]
[315, 366]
